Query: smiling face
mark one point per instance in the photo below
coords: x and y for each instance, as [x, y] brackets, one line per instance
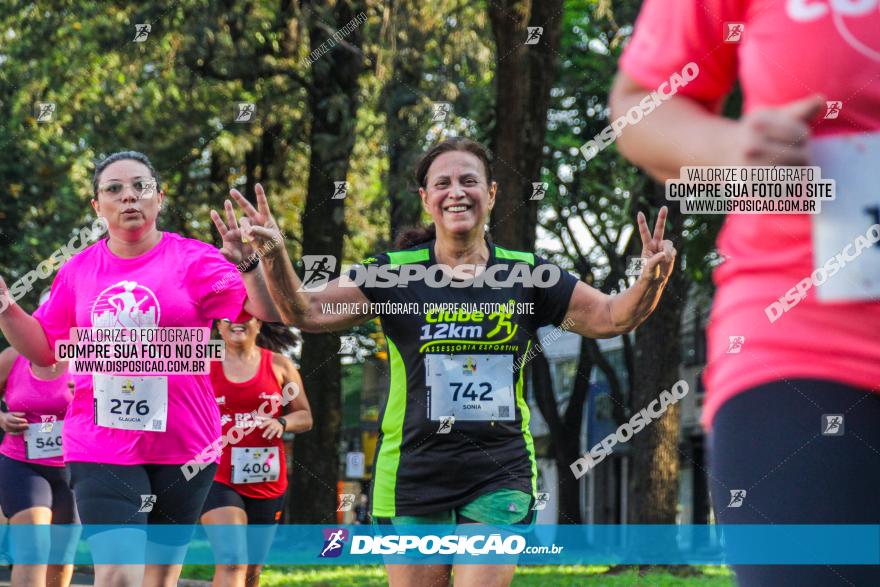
[457, 194]
[117, 200]
[239, 333]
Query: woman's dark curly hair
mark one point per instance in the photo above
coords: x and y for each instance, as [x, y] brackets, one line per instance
[278, 338]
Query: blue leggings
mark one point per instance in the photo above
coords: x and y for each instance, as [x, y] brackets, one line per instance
[769, 441]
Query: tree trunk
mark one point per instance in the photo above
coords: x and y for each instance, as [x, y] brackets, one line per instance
[568, 496]
[405, 128]
[333, 102]
[524, 75]
[654, 489]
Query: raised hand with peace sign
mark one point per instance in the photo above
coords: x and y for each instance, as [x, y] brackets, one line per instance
[659, 254]
[597, 315]
[256, 233]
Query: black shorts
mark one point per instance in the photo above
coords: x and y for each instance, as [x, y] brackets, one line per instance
[24, 485]
[259, 511]
[774, 441]
[138, 494]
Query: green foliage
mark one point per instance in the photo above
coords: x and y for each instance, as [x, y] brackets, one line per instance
[589, 210]
[531, 576]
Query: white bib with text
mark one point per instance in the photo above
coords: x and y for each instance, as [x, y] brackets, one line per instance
[43, 440]
[255, 465]
[470, 387]
[131, 402]
[853, 161]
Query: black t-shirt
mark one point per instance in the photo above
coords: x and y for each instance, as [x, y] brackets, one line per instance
[455, 424]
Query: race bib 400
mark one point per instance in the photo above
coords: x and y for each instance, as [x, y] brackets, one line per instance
[255, 465]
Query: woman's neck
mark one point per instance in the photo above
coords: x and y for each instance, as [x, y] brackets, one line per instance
[134, 248]
[49, 373]
[245, 353]
[466, 249]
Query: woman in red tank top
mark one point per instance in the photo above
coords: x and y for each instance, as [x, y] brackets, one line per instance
[260, 395]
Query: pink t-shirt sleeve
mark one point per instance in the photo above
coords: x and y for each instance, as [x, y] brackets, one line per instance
[217, 285]
[671, 33]
[57, 316]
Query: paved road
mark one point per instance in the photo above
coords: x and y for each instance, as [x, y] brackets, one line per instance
[84, 579]
[78, 578]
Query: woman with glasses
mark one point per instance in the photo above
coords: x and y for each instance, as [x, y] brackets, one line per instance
[126, 464]
[260, 395]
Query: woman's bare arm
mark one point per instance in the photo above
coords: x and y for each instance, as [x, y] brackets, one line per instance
[25, 333]
[681, 132]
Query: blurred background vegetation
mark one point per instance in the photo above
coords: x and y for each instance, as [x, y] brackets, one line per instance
[360, 113]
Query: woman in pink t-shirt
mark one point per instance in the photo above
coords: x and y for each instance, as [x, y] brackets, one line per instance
[34, 483]
[794, 360]
[127, 434]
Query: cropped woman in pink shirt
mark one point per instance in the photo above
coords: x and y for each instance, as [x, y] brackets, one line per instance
[126, 463]
[34, 483]
[793, 411]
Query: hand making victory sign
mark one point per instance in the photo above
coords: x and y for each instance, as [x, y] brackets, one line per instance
[237, 240]
[659, 254]
[258, 224]
[242, 247]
